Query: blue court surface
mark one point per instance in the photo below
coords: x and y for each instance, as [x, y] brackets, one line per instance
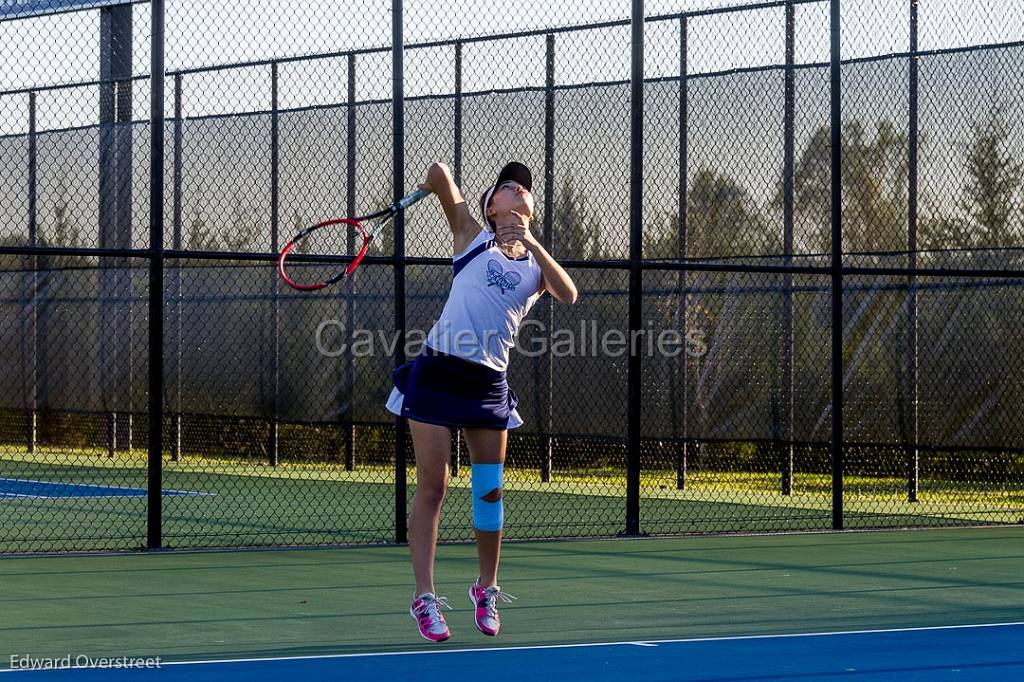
[26, 488]
[992, 652]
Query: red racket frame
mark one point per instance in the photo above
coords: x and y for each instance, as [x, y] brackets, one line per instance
[382, 217]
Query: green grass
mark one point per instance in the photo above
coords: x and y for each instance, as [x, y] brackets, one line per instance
[304, 503]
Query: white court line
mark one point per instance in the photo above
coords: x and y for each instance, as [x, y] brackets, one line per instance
[539, 647]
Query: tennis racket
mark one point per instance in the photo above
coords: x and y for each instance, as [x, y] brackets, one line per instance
[314, 239]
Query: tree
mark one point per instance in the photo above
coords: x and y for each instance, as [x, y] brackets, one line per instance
[812, 182]
[721, 220]
[199, 236]
[575, 232]
[874, 188]
[936, 232]
[993, 184]
[384, 243]
[661, 238]
[874, 183]
[63, 233]
[297, 226]
[244, 232]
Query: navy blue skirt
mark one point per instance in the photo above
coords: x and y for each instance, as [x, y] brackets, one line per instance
[437, 388]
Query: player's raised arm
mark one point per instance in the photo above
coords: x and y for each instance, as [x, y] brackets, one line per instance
[440, 181]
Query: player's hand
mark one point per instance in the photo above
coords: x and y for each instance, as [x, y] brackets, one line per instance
[437, 176]
[517, 231]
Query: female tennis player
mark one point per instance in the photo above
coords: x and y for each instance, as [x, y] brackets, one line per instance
[458, 381]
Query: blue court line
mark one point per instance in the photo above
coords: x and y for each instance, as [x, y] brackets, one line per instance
[27, 488]
[990, 652]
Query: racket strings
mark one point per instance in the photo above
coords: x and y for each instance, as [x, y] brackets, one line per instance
[351, 238]
[335, 246]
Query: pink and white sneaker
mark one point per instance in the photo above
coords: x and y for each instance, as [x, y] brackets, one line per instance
[485, 599]
[426, 609]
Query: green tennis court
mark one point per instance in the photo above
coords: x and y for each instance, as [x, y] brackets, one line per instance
[192, 606]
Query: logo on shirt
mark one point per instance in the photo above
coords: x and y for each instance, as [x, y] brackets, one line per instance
[496, 276]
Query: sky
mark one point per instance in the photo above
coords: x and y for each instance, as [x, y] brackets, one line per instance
[64, 48]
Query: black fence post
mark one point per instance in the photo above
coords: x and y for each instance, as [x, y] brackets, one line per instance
[457, 141]
[912, 151]
[121, 68]
[457, 171]
[835, 116]
[456, 451]
[789, 114]
[681, 406]
[275, 229]
[154, 539]
[111, 433]
[636, 215]
[546, 441]
[350, 282]
[33, 301]
[114, 207]
[398, 171]
[108, 221]
[176, 270]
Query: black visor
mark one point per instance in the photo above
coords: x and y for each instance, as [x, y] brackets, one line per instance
[518, 172]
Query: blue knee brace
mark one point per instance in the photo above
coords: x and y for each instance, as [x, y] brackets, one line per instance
[488, 507]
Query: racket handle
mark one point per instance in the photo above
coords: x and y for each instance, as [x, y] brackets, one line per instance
[411, 198]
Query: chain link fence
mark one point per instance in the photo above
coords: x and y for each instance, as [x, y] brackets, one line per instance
[160, 388]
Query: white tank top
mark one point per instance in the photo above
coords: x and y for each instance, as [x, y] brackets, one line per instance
[491, 294]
